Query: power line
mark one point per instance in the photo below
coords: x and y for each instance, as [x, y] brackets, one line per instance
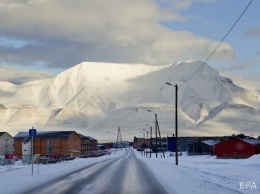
[168, 102]
[212, 51]
[218, 44]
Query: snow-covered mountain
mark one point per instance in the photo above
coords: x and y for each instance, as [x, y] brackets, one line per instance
[97, 98]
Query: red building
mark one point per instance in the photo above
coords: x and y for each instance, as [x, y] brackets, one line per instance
[237, 148]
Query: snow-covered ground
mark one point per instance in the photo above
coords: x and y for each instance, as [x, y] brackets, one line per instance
[206, 174]
[194, 174]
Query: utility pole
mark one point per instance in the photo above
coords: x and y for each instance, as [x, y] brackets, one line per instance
[156, 135]
[160, 139]
[176, 121]
[176, 124]
[147, 143]
[150, 139]
[151, 142]
[155, 131]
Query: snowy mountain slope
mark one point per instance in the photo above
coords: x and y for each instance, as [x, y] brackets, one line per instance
[209, 104]
[97, 98]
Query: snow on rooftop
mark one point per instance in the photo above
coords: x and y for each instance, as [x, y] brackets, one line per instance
[252, 141]
[211, 142]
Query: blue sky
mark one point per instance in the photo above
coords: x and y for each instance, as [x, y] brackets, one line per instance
[53, 35]
[213, 20]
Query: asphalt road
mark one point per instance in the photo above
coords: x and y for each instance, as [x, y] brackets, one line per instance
[123, 175]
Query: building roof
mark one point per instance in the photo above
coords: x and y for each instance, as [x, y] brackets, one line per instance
[27, 139]
[46, 134]
[211, 142]
[26, 134]
[55, 134]
[6, 133]
[252, 141]
[82, 136]
[91, 138]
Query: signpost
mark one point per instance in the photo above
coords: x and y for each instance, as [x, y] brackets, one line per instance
[32, 133]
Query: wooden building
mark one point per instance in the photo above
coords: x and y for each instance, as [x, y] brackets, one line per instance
[84, 145]
[237, 147]
[51, 142]
[93, 145]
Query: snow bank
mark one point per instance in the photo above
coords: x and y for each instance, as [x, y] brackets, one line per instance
[205, 174]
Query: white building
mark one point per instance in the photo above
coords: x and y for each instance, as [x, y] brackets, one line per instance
[6, 143]
[27, 146]
[27, 150]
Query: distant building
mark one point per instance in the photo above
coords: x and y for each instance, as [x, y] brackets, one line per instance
[93, 145]
[185, 141]
[6, 143]
[206, 147]
[108, 145]
[84, 145]
[89, 145]
[139, 141]
[236, 147]
[123, 144]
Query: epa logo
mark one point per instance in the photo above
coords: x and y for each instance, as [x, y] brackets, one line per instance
[247, 185]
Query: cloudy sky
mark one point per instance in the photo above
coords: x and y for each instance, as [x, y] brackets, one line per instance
[40, 38]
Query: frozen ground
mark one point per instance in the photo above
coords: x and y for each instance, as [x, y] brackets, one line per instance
[206, 174]
[194, 174]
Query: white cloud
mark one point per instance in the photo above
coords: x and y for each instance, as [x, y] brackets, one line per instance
[72, 31]
[18, 76]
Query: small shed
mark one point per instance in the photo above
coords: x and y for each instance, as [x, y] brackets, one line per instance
[237, 148]
[206, 147]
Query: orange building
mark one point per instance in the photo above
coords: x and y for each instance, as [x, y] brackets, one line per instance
[89, 145]
[51, 142]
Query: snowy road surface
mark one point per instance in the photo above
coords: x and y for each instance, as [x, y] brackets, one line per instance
[125, 174]
[130, 172]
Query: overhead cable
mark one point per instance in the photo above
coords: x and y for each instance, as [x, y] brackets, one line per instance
[218, 44]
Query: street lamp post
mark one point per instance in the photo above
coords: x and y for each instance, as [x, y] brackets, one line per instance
[176, 121]
[146, 142]
[150, 139]
[142, 141]
[155, 131]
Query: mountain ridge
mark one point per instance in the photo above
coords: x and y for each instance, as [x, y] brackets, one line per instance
[97, 98]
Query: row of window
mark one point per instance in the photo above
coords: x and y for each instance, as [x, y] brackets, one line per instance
[46, 147]
[52, 140]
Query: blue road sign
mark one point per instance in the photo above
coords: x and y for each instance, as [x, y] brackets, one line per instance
[32, 132]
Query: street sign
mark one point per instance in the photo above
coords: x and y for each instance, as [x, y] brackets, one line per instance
[32, 132]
